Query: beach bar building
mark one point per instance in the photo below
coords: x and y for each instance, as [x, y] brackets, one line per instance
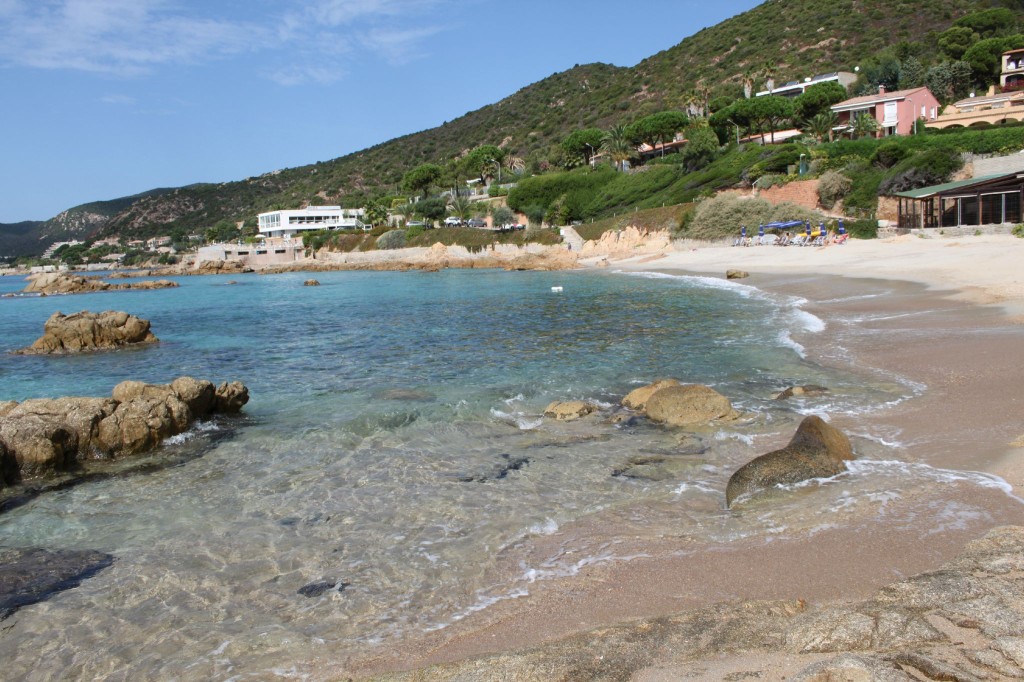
[290, 223]
[987, 200]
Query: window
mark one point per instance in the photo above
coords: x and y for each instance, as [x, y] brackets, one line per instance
[969, 210]
[991, 209]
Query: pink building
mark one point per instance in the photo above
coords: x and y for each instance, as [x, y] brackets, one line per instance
[895, 112]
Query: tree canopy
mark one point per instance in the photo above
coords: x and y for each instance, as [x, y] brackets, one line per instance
[583, 143]
[422, 178]
[657, 128]
[816, 99]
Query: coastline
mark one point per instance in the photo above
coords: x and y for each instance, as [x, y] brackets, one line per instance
[946, 315]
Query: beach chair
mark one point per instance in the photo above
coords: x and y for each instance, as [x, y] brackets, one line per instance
[798, 240]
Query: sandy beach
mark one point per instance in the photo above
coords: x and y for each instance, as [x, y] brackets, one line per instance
[945, 313]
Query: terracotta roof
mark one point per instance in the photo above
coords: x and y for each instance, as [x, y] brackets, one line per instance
[876, 98]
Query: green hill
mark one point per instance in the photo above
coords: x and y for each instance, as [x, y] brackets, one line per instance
[781, 39]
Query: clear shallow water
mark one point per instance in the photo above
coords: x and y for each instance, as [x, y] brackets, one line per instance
[386, 410]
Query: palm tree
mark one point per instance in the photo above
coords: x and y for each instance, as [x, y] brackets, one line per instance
[822, 125]
[616, 145]
[748, 82]
[515, 164]
[863, 124]
[768, 73]
[460, 206]
[703, 93]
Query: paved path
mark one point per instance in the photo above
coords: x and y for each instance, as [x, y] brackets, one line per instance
[571, 237]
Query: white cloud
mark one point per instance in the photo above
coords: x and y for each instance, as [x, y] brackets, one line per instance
[124, 37]
[118, 100]
[313, 41]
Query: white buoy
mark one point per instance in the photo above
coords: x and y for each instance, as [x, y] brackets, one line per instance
[556, 288]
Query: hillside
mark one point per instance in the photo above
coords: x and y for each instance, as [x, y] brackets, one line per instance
[781, 39]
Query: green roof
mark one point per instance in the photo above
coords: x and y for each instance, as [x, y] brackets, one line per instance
[945, 187]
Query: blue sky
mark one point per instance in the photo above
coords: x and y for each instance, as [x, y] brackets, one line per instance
[107, 98]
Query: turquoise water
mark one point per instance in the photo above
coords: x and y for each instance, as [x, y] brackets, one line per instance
[386, 411]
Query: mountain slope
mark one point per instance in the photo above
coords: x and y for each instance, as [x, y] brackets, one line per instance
[787, 39]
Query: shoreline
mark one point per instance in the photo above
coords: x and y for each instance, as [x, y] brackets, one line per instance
[966, 419]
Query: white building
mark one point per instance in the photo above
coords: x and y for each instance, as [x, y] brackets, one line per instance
[289, 223]
[797, 88]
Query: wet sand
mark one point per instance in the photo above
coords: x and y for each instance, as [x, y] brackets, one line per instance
[971, 360]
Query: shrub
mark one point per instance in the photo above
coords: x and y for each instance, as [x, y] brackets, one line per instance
[412, 233]
[862, 229]
[1018, 231]
[889, 154]
[395, 239]
[832, 187]
[768, 181]
[723, 215]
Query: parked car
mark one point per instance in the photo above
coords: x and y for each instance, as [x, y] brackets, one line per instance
[416, 223]
[476, 222]
[452, 221]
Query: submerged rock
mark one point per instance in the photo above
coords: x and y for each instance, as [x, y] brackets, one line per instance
[569, 410]
[31, 575]
[808, 390]
[85, 331]
[736, 274]
[689, 404]
[311, 283]
[318, 588]
[503, 469]
[817, 450]
[51, 435]
[638, 397]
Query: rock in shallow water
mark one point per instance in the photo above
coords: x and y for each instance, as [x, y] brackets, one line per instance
[318, 588]
[817, 450]
[569, 410]
[32, 575]
[86, 331]
[689, 404]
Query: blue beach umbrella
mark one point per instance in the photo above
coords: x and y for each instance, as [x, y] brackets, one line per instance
[842, 230]
[822, 228]
[807, 227]
[760, 231]
[743, 231]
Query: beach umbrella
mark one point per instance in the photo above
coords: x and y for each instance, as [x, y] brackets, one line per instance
[822, 228]
[760, 231]
[807, 227]
[743, 231]
[842, 230]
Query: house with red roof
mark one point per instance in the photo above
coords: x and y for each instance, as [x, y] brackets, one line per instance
[895, 112]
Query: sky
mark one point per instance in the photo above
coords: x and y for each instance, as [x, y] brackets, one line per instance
[107, 98]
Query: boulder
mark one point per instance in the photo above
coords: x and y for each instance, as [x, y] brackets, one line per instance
[47, 436]
[736, 274]
[311, 283]
[637, 398]
[817, 450]
[230, 397]
[198, 394]
[569, 410]
[37, 445]
[6, 406]
[62, 283]
[688, 404]
[85, 331]
[808, 390]
[149, 284]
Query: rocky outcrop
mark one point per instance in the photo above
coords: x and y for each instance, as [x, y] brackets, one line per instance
[736, 274]
[55, 283]
[311, 283]
[220, 267]
[960, 622]
[87, 331]
[638, 397]
[48, 436]
[569, 410]
[817, 450]
[687, 405]
[628, 242]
